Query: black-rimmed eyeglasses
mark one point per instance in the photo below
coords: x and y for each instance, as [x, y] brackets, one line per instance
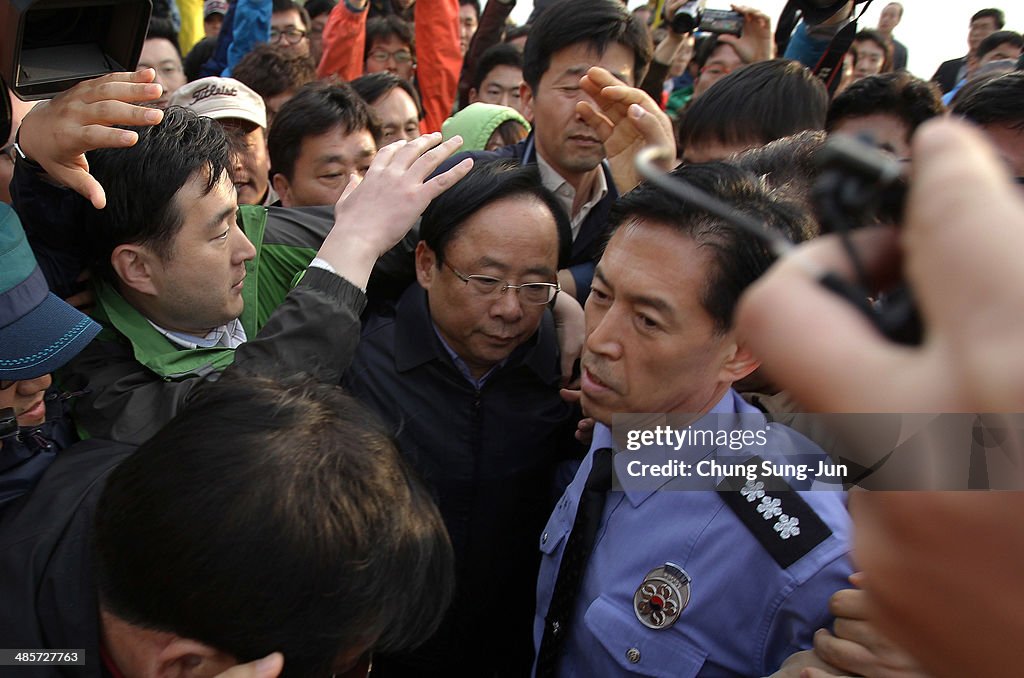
[292, 36]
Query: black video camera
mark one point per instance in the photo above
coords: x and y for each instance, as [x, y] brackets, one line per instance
[48, 46]
[694, 16]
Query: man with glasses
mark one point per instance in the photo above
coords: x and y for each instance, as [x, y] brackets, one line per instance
[289, 27]
[465, 366]
[389, 47]
[354, 45]
[160, 52]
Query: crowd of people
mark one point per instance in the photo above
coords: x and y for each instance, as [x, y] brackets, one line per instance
[317, 328]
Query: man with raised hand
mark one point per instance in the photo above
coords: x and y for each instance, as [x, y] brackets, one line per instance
[178, 266]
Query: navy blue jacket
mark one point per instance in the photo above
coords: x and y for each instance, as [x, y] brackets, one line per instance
[489, 455]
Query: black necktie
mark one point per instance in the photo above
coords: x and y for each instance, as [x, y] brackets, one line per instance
[574, 562]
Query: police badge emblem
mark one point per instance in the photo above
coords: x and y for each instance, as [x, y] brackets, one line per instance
[662, 596]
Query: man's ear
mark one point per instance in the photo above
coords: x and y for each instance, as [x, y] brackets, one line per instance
[526, 99]
[426, 265]
[738, 363]
[186, 658]
[472, 95]
[283, 189]
[134, 265]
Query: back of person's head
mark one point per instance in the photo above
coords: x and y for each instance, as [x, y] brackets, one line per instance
[998, 38]
[596, 23]
[738, 258]
[141, 182]
[274, 515]
[995, 101]
[375, 86]
[497, 55]
[271, 71]
[788, 168]
[991, 13]
[753, 105]
[900, 94]
[316, 109]
[381, 28]
[485, 184]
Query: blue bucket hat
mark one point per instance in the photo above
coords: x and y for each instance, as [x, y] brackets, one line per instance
[39, 332]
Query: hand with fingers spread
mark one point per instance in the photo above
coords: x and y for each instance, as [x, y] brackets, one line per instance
[373, 215]
[756, 43]
[58, 133]
[626, 119]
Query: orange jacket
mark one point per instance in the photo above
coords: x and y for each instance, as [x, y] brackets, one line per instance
[438, 57]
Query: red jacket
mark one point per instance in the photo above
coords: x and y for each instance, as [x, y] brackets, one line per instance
[438, 57]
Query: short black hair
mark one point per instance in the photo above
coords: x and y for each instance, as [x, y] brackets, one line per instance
[317, 7]
[703, 47]
[374, 86]
[738, 258]
[307, 534]
[141, 183]
[475, 4]
[995, 101]
[316, 108]
[511, 132]
[871, 35]
[758, 103]
[487, 183]
[788, 167]
[910, 99]
[514, 32]
[993, 13]
[595, 23]
[496, 55]
[270, 70]
[289, 5]
[162, 27]
[387, 26]
[999, 38]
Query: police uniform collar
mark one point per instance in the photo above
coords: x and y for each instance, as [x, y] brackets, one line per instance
[730, 403]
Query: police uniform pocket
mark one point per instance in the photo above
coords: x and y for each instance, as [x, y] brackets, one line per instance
[638, 650]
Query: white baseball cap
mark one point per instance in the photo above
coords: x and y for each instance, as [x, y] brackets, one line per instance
[222, 99]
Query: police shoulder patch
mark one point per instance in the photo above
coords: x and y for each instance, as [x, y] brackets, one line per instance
[778, 517]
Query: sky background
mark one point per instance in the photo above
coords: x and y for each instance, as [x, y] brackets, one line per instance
[933, 31]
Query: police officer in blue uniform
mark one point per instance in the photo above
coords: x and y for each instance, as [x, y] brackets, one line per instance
[728, 580]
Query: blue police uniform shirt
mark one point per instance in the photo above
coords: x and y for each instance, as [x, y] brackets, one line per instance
[746, 613]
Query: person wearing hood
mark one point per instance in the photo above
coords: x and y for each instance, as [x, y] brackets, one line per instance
[486, 127]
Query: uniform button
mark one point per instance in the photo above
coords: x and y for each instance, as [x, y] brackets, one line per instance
[544, 538]
[633, 655]
[556, 628]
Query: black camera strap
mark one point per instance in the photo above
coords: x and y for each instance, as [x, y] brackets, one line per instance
[830, 66]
